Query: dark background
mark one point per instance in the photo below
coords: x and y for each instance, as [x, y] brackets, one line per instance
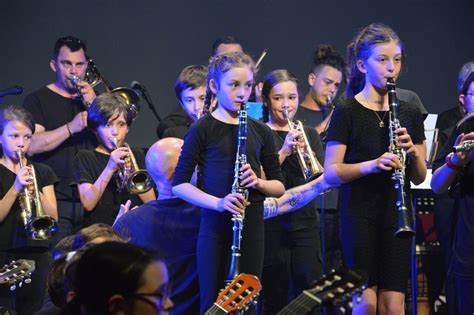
[151, 41]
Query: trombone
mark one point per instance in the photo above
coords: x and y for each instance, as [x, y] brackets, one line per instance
[38, 225]
[130, 176]
[93, 77]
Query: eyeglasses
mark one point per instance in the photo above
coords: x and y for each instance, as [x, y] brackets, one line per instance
[160, 298]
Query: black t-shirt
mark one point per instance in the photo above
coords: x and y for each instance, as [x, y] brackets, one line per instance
[446, 124]
[358, 128]
[306, 217]
[212, 145]
[462, 189]
[177, 117]
[12, 230]
[170, 228]
[52, 111]
[88, 165]
[312, 118]
[176, 132]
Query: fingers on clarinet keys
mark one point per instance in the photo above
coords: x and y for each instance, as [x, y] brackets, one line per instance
[234, 203]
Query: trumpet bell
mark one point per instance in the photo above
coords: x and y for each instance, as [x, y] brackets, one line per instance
[42, 228]
[139, 182]
[131, 98]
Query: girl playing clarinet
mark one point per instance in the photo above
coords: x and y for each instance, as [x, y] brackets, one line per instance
[211, 145]
[357, 157]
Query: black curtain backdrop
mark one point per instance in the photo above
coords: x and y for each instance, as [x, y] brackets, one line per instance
[151, 41]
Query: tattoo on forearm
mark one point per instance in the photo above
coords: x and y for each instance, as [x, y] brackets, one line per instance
[270, 208]
[295, 198]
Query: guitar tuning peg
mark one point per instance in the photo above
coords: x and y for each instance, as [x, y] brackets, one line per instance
[27, 280]
[12, 287]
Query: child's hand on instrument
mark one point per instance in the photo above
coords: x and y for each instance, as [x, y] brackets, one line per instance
[235, 203]
[248, 177]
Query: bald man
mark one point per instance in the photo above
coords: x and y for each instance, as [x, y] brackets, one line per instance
[169, 226]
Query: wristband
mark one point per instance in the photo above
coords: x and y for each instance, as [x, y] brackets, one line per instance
[451, 165]
[68, 130]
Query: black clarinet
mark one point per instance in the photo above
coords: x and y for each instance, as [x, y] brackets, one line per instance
[405, 229]
[237, 219]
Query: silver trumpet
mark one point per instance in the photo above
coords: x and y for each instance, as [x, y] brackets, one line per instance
[464, 147]
[306, 159]
[38, 225]
[130, 176]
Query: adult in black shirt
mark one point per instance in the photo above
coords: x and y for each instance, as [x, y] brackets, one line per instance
[59, 112]
[444, 206]
[325, 77]
[454, 220]
[168, 226]
[457, 175]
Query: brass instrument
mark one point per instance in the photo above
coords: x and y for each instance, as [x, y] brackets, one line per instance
[38, 225]
[130, 176]
[464, 147]
[93, 77]
[306, 159]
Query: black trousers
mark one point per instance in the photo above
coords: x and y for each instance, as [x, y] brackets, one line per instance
[292, 263]
[214, 250]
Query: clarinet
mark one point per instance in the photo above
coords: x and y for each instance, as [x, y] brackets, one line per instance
[238, 219]
[405, 229]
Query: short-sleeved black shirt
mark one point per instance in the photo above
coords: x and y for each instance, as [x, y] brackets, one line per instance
[307, 216]
[52, 111]
[88, 165]
[12, 230]
[358, 128]
[462, 189]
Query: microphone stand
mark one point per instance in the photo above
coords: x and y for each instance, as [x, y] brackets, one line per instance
[147, 98]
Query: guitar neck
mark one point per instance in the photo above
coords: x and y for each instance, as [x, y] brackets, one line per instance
[303, 304]
[215, 310]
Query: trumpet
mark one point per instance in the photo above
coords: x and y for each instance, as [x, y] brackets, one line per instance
[93, 77]
[464, 147]
[306, 159]
[38, 225]
[129, 176]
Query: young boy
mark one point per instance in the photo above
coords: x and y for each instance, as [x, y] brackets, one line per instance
[96, 171]
[190, 91]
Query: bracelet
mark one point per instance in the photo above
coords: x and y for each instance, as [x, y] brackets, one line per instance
[68, 130]
[451, 165]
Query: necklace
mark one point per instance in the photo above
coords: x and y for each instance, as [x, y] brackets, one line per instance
[381, 120]
[381, 123]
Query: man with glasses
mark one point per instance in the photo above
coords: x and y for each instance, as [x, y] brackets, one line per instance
[454, 173]
[59, 111]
